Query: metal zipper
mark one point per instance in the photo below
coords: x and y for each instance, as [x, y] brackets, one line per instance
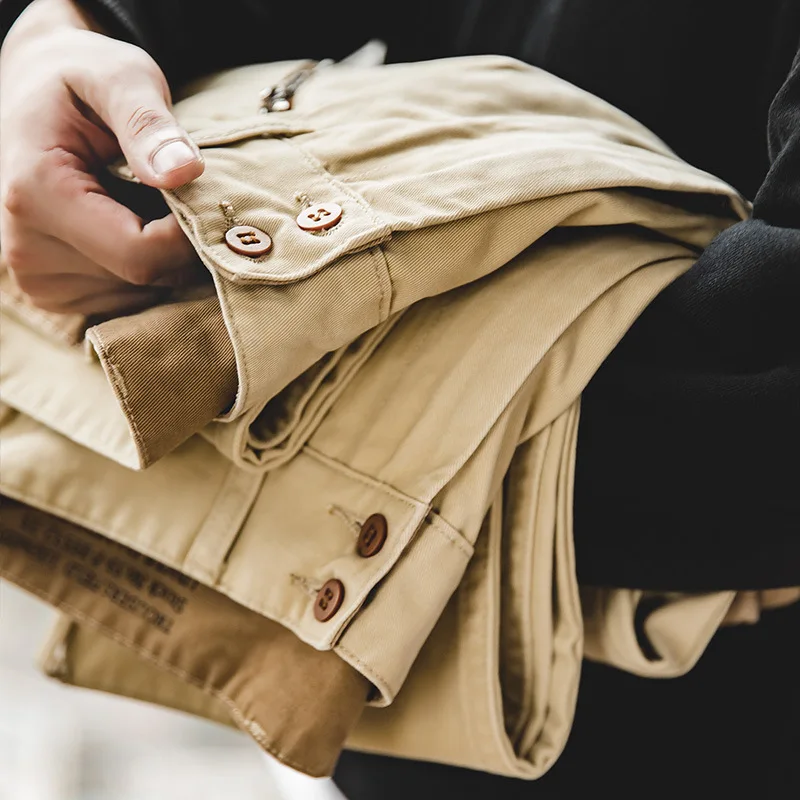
[280, 96]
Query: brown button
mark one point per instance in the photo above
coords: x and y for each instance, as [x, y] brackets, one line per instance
[319, 217]
[248, 241]
[329, 599]
[372, 535]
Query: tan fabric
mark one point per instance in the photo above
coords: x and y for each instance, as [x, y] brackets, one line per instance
[172, 366]
[196, 376]
[747, 607]
[426, 208]
[675, 629]
[296, 702]
[253, 536]
[80, 655]
[446, 368]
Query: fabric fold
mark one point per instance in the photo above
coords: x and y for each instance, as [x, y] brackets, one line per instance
[425, 209]
[505, 627]
[349, 471]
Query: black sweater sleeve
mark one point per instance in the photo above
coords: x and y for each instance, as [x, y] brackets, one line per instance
[119, 17]
[187, 40]
[688, 472]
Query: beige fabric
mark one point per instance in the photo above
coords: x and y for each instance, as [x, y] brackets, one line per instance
[249, 534]
[450, 409]
[747, 607]
[195, 381]
[296, 702]
[678, 627]
[412, 726]
[426, 208]
[80, 655]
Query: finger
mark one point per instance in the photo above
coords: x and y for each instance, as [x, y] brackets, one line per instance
[93, 297]
[55, 277]
[71, 206]
[30, 252]
[69, 293]
[135, 105]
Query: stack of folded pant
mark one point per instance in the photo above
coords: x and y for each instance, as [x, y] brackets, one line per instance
[346, 467]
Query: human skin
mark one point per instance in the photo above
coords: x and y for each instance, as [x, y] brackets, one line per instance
[73, 100]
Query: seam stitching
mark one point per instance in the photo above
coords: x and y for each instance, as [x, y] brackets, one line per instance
[351, 474]
[121, 390]
[365, 669]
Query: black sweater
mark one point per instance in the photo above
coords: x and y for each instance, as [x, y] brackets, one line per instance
[688, 471]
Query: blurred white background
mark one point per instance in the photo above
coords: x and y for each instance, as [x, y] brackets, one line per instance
[62, 743]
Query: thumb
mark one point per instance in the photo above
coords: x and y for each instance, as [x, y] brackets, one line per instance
[137, 110]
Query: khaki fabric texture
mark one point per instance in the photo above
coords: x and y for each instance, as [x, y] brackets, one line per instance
[265, 540]
[445, 171]
[296, 702]
[748, 607]
[423, 360]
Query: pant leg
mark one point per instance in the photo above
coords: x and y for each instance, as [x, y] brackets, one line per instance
[731, 728]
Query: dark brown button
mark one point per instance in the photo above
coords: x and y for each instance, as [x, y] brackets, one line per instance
[319, 217]
[329, 599]
[248, 241]
[372, 535]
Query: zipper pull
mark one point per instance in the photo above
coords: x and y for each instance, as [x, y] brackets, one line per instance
[279, 97]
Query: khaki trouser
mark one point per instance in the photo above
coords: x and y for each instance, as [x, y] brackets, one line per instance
[423, 361]
[445, 171]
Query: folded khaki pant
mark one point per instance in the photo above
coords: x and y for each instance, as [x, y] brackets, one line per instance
[437, 189]
[450, 464]
[449, 405]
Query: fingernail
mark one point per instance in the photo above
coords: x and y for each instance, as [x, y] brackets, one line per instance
[172, 156]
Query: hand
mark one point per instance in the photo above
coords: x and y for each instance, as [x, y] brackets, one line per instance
[72, 100]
